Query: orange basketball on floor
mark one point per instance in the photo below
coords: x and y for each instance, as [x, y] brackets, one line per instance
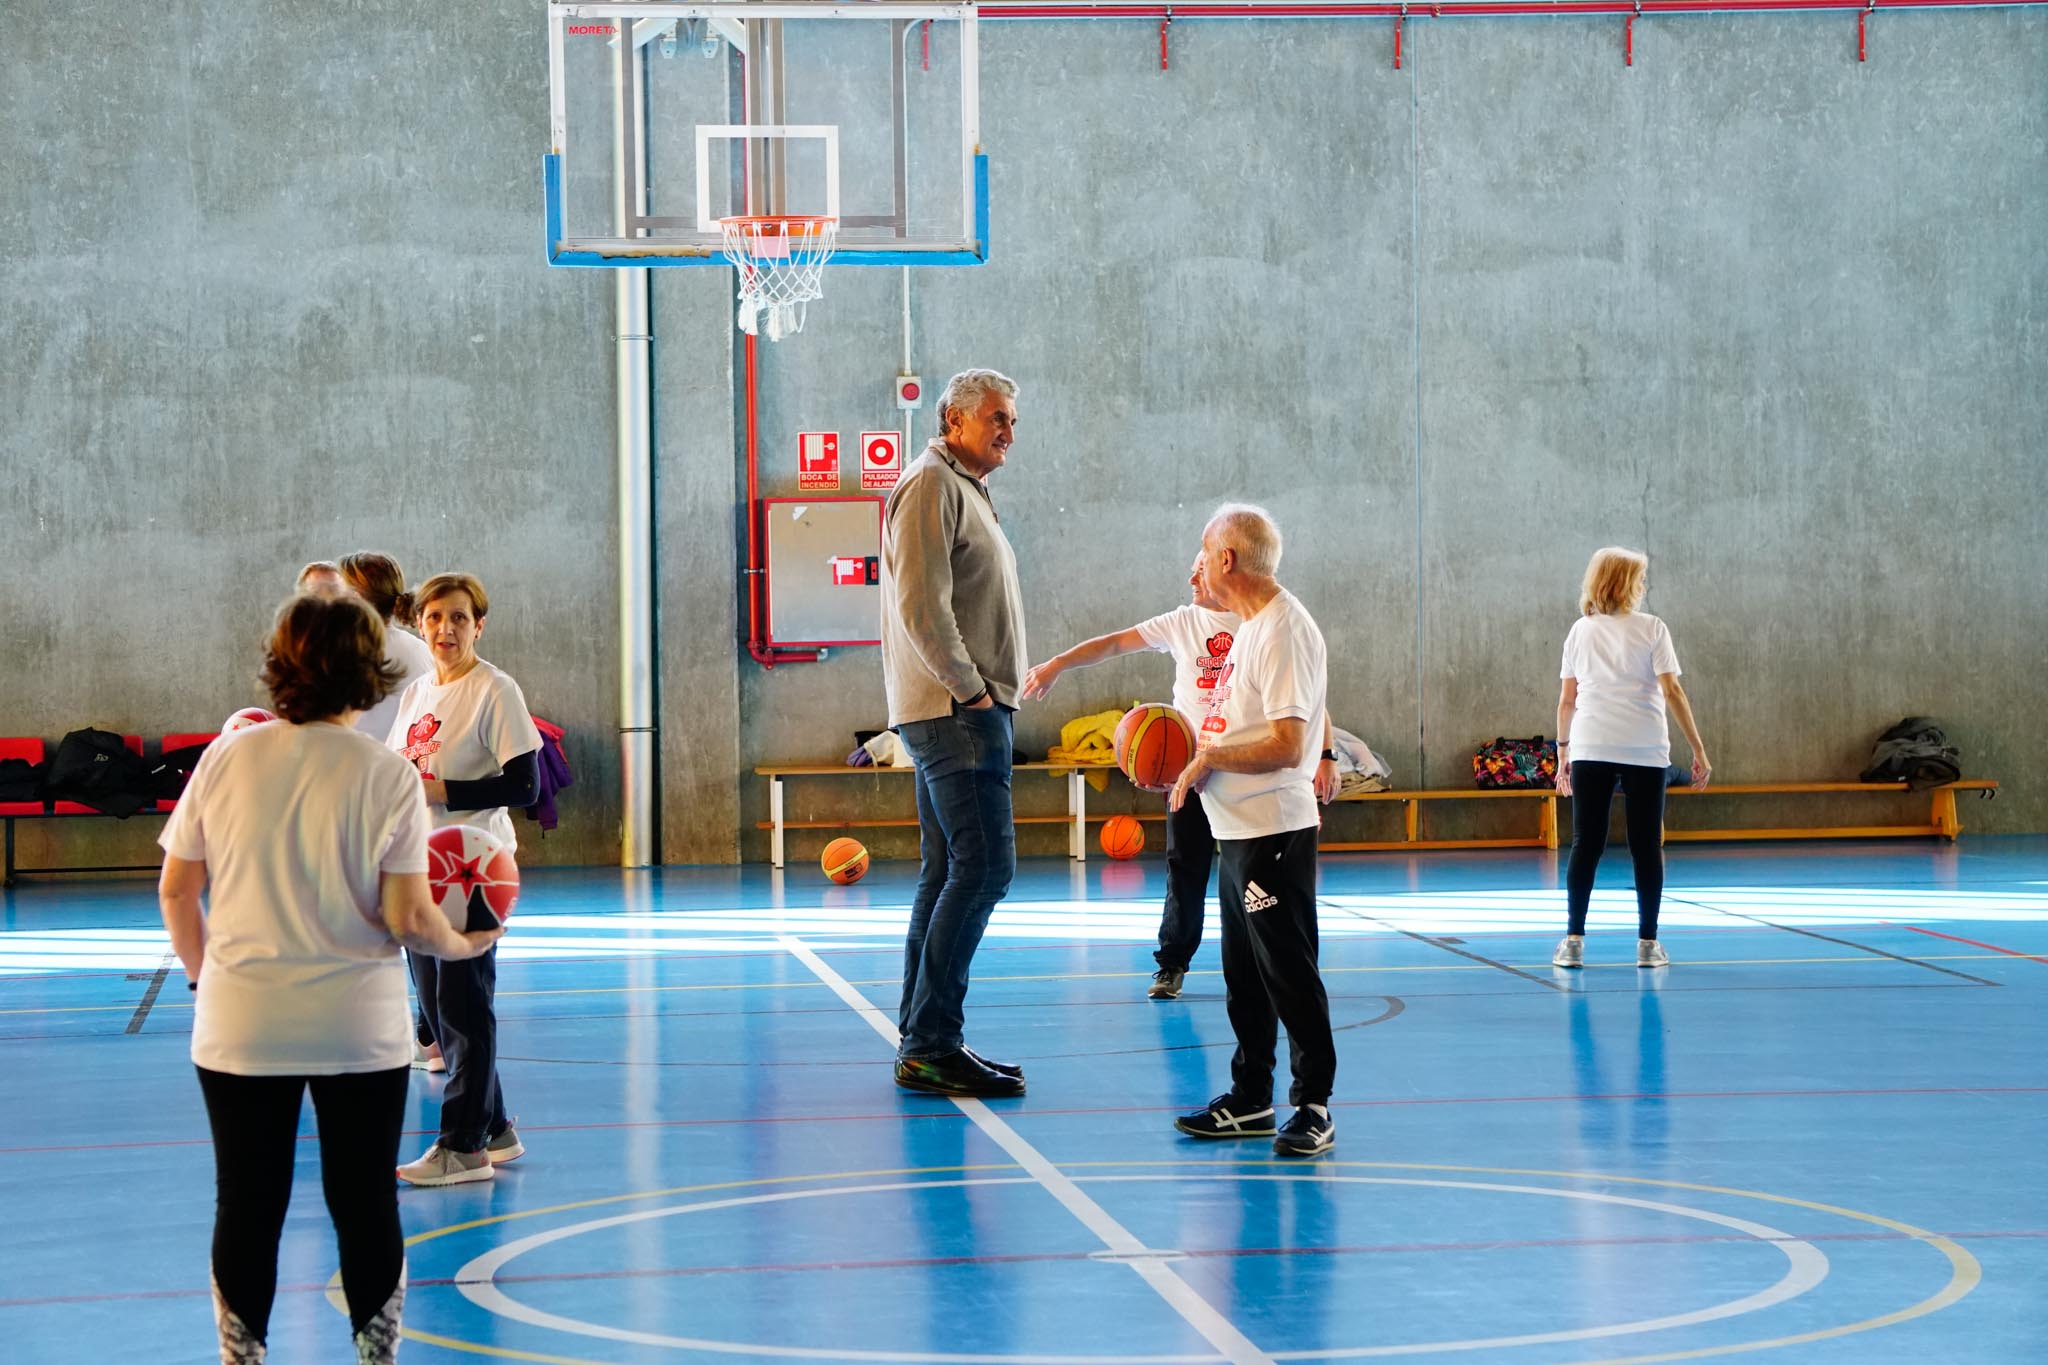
[1153, 744]
[845, 860]
[1122, 837]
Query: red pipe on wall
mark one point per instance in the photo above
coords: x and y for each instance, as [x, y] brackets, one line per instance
[763, 654]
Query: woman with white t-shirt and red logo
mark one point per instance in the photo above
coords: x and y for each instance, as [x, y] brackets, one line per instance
[467, 732]
[314, 840]
[1620, 675]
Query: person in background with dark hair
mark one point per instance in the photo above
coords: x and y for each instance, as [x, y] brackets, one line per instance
[314, 841]
[1620, 675]
[467, 732]
[377, 579]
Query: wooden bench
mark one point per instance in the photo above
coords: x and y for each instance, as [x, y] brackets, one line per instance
[1943, 821]
[33, 751]
[778, 824]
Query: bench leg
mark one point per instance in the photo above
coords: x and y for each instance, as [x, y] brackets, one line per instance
[1077, 806]
[775, 820]
[1547, 823]
[10, 852]
[1945, 818]
[1411, 820]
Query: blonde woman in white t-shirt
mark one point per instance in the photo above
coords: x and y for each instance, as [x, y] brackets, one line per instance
[466, 731]
[1620, 677]
[313, 839]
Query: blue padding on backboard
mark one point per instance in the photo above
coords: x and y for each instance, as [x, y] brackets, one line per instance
[551, 186]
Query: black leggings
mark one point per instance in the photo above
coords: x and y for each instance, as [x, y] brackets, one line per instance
[1642, 790]
[255, 1141]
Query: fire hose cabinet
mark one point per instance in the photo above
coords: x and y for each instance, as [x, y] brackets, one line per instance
[824, 571]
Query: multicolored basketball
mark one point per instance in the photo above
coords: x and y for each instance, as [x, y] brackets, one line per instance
[472, 877]
[845, 861]
[1153, 744]
[1122, 837]
[246, 717]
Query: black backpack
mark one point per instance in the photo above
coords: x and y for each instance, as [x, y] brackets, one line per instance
[96, 768]
[1915, 752]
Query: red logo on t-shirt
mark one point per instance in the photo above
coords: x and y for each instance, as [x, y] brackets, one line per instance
[420, 744]
[1219, 692]
[1211, 663]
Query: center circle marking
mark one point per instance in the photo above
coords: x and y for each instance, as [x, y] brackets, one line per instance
[1806, 1267]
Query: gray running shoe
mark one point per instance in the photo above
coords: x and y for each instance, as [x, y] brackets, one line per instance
[441, 1166]
[1650, 953]
[1571, 952]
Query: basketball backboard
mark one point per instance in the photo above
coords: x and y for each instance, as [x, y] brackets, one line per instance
[667, 118]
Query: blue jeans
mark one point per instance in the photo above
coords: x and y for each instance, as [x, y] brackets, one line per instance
[967, 847]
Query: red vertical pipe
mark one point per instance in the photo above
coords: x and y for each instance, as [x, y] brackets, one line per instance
[1628, 42]
[1397, 42]
[1163, 22]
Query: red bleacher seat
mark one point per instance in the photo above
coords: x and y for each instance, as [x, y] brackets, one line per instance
[30, 750]
[181, 742]
[134, 743]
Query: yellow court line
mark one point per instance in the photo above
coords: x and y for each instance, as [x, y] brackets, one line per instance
[1855, 960]
[1966, 1273]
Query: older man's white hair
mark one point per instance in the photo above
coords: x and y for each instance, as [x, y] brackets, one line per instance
[1252, 532]
[969, 389]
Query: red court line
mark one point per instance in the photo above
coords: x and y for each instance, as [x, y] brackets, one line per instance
[1953, 938]
[1201, 1253]
[899, 1115]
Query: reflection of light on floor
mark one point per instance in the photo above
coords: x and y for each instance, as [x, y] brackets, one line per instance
[656, 933]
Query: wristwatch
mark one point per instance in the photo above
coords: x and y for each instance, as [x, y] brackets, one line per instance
[1329, 755]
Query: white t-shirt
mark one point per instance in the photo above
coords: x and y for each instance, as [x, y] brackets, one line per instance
[464, 732]
[1277, 669]
[410, 653]
[1620, 713]
[1199, 641]
[295, 823]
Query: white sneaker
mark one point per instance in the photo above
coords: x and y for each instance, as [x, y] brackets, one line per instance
[428, 1058]
[1571, 951]
[441, 1166]
[1650, 953]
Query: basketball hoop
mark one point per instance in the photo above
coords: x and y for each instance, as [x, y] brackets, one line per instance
[781, 261]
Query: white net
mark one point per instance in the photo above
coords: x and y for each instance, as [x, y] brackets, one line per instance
[781, 265]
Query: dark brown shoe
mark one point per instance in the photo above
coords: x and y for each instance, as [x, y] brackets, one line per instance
[956, 1073]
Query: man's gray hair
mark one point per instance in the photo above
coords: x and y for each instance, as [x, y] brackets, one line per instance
[1252, 532]
[969, 389]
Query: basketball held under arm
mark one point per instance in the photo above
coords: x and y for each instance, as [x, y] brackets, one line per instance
[1039, 680]
[407, 908]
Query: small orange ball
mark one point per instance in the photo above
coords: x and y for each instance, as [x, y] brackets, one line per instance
[1122, 837]
[845, 861]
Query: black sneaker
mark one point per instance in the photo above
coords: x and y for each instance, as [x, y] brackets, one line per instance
[1306, 1134]
[1166, 983]
[955, 1073]
[1000, 1068]
[1226, 1117]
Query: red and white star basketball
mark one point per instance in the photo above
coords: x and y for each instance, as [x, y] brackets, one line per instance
[472, 877]
[246, 717]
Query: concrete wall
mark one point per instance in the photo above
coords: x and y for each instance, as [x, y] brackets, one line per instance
[272, 291]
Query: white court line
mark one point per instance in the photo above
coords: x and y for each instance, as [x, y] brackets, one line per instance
[1180, 1296]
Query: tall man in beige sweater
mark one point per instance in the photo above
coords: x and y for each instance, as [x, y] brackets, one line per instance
[952, 661]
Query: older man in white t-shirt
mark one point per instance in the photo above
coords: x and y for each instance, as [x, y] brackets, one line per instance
[1198, 635]
[1254, 769]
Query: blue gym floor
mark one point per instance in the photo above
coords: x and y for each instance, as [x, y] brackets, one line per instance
[1818, 1135]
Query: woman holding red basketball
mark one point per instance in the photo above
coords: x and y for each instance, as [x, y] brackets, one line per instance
[314, 842]
[467, 732]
